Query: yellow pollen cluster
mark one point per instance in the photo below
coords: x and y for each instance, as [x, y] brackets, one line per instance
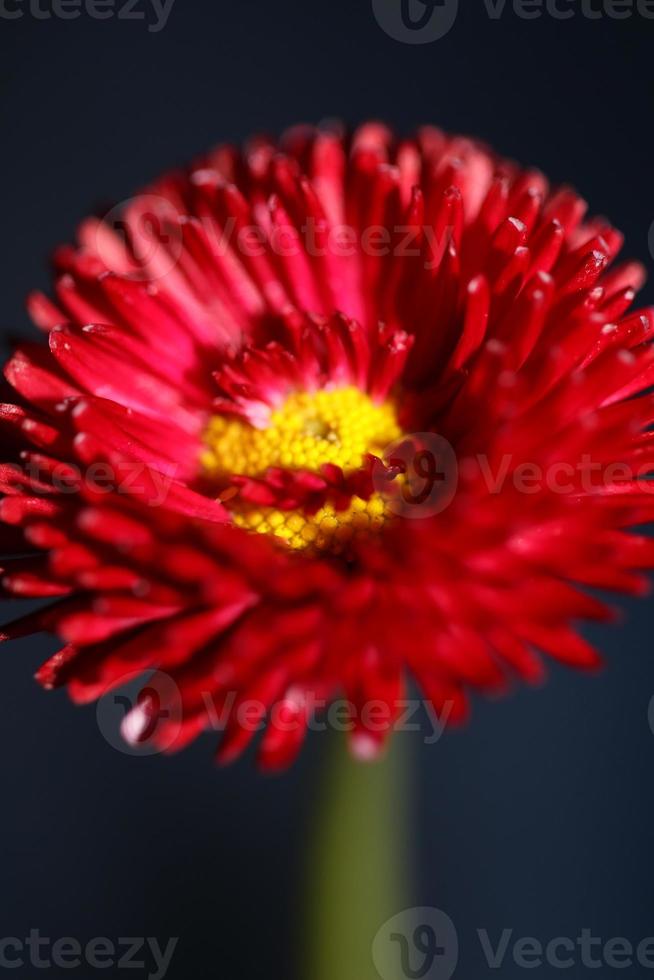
[326, 530]
[310, 429]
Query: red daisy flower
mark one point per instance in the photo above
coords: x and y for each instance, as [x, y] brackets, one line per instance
[287, 354]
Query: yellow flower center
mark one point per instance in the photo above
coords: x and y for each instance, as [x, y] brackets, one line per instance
[310, 429]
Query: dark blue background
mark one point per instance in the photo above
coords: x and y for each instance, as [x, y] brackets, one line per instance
[538, 815]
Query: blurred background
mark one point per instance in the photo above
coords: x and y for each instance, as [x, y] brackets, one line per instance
[537, 817]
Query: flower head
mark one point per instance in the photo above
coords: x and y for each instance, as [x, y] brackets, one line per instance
[319, 416]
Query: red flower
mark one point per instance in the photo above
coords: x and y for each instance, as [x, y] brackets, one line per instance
[250, 393]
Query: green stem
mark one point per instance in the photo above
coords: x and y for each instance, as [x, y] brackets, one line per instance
[358, 873]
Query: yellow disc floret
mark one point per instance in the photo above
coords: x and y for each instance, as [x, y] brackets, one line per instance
[326, 530]
[309, 429]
